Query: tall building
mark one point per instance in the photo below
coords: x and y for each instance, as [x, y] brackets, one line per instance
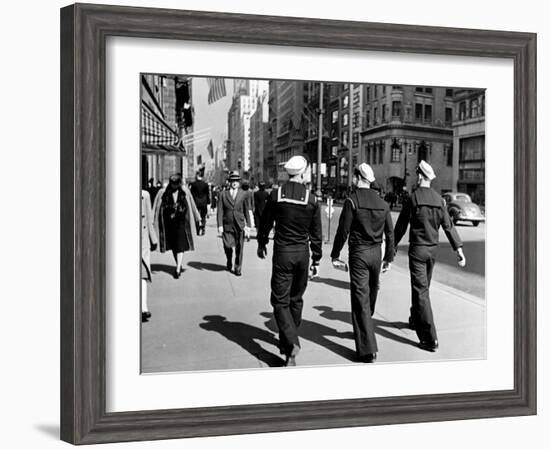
[469, 143]
[287, 124]
[403, 125]
[259, 139]
[166, 119]
[243, 106]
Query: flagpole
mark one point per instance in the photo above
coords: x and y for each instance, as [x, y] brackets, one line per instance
[320, 142]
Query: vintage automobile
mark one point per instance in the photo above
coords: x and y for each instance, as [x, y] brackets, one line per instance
[461, 208]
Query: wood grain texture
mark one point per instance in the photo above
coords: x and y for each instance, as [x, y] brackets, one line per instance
[84, 29]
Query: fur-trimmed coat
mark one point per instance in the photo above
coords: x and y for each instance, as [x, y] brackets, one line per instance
[192, 216]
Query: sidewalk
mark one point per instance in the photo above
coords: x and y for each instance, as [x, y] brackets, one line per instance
[210, 319]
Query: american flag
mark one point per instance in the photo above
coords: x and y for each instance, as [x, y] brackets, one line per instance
[216, 89]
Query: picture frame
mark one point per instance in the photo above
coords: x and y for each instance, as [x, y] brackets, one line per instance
[84, 29]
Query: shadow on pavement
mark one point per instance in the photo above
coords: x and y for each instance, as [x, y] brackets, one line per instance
[332, 282]
[206, 266]
[317, 333]
[169, 269]
[379, 325]
[244, 335]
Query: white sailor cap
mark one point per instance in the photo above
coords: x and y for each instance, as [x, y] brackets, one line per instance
[426, 170]
[296, 165]
[365, 171]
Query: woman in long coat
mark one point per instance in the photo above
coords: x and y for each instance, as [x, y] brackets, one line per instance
[149, 242]
[175, 215]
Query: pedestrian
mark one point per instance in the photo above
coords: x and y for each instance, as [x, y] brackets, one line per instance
[152, 189]
[260, 200]
[365, 218]
[149, 242]
[249, 194]
[201, 194]
[175, 214]
[297, 218]
[426, 212]
[233, 222]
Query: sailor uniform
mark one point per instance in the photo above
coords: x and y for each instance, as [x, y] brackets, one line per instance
[365, 218]
[296, 216]
[426, 212]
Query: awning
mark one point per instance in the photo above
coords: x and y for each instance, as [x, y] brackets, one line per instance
[156, 134]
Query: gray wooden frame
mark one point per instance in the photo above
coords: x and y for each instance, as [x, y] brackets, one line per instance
[84, 29]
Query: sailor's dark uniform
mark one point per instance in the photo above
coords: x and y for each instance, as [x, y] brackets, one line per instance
[365, 218]
[297, 218]
[425, 210]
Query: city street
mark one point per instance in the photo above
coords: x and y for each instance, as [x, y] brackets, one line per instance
[210, 319]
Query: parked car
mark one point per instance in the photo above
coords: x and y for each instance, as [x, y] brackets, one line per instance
[461, 208]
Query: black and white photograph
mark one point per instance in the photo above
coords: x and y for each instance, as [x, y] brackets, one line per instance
[292, 223]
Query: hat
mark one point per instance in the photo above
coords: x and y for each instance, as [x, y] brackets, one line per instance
[426, 170]
[296, 165]
[365, 171]
[234, 176]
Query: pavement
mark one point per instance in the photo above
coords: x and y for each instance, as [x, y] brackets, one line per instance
[210, 319]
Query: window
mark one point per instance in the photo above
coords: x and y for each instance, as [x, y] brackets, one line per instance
[346, 101]
[448, 115]
[368, 119]
[419, 89]
[462, 110]
[334, 116]
[396, 109]
[334, 150]
[449, 156]
[199, 159]
[429, 90]
[368, 93]
[474, 108]
[396, 87]
[395, 153]
[428, 113]
[344, 138]
[367, 155]
[355, 119]
[375, 116]
[381, 153]
[355, 140]
[374, 93]
[418, 111]
[448, 92]
[345, 119]
[384, 112]
[384, 90]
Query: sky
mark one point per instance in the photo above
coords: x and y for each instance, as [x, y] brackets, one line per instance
[213, 116]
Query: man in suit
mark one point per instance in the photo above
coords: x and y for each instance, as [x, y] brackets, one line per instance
[201, 194]
[297, 218]
[233, 221]
[426, 212]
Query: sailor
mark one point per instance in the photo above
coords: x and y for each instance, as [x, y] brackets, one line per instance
[365, 218]
[296, 215]
[426, 212]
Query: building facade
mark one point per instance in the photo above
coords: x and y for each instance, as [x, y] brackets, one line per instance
[469, 143]
[259, 139]
[403, 125]
[167, 119]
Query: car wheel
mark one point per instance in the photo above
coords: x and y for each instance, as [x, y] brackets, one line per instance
[475, 223]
